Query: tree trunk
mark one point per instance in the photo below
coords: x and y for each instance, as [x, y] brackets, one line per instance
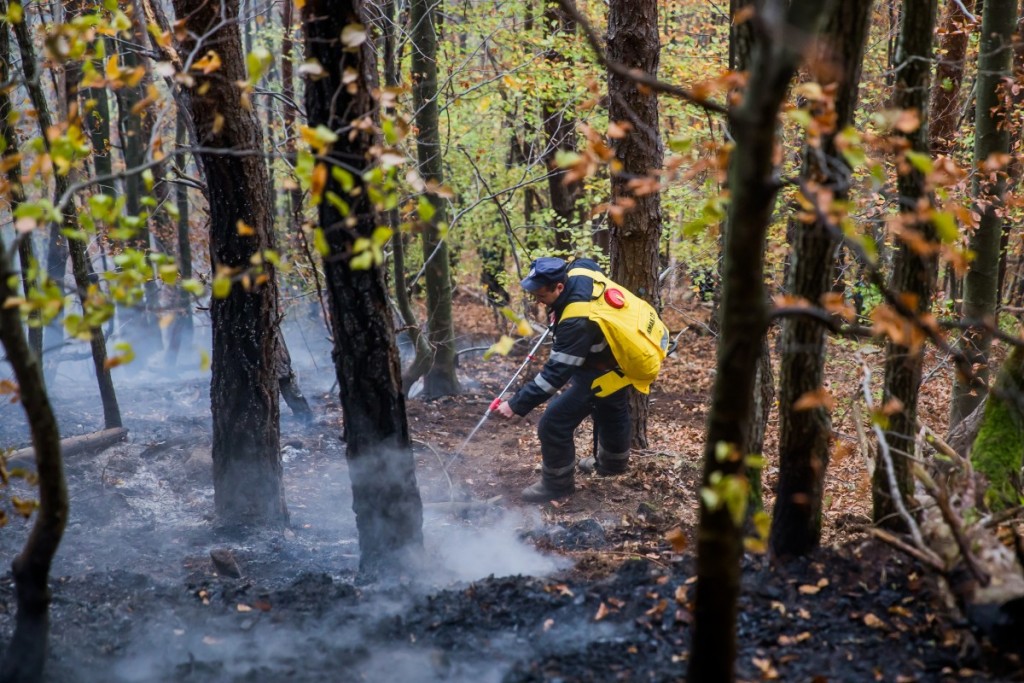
[76, 247]
[945, 108]
[289, 383]
[288, 91]
[16, 192]
[561, 131]
[635, 238]
[992, 137]
[440, 379]
[744, 319]
[805, 433]
[385, 496]
[183, 329]
[247, 480]
[741, 44]
[913, 273]
[25, 655]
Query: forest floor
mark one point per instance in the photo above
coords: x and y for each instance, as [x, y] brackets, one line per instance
[590, 589]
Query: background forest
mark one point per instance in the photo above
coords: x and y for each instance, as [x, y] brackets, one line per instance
[825, 193]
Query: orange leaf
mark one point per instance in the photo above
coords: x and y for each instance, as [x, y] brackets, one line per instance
[818, 398]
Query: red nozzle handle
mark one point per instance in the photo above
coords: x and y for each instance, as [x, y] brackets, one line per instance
[494, 404]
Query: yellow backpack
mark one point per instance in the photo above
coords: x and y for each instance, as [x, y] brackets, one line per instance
[637, 336]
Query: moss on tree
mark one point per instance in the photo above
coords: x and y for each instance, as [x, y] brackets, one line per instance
[999, 449]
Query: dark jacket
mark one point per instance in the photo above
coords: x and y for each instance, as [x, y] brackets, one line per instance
[579, 345]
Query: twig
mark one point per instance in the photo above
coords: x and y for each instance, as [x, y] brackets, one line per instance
[900, 545]
[954, 523]
[890, 469]
[444, 468]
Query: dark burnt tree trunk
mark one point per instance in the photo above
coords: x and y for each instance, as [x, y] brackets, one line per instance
[25, 655]
[385, 496]
[744, 319]
[289, 383]
[76, 248]
[805, 433]
[633, 41]
[741, 44]
[440, 380]
[16, 191]
[560, 128]
[243, 389]
[913, 273]
[946, 106]
[992, 137]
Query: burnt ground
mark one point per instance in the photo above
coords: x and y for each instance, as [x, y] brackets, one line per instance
[589, 590]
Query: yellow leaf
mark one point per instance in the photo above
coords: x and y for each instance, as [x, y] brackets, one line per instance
[501, 347]
[244, 229]
[809, 589]
[318, 182]
[218, 123]
[523, 328]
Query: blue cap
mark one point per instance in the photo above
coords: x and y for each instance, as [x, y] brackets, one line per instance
[546, 271]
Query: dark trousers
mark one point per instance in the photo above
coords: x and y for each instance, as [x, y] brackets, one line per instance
[566, 411]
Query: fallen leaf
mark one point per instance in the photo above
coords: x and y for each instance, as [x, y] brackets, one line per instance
[602, 612]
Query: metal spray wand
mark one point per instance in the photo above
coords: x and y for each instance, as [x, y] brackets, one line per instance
[497, 401]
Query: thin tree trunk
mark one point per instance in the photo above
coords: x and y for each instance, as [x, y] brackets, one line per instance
[946, 106]
[913, 273]
[248, 487]
[560, 128]
[16, 192]
[805, 433]
[992, 137]
[385, 497]
[635, 239]
[183, 328]
[744, 320]
[440, 379]
[25, 654]
[76, 248]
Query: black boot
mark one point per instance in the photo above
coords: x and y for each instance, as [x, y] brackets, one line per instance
[606, 464]
[553, 485]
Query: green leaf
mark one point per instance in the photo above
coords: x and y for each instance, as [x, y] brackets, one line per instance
[920, 161]
[193, 286]
[425, 209]
[320, 242]
[338, 203]
[204, 361]
[343, 178]
[361, 261]
[381, 235]
[168, 273]
[945, 226]
[14, 14]
[801, 116]
[566, 159]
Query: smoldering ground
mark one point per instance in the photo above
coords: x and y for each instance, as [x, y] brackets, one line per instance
[137, 596]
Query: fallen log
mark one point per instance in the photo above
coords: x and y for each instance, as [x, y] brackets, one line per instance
[74, 445]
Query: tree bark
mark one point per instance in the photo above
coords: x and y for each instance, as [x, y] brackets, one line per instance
[805, 434]
[635, 239]
[992, 137]
[25, 654]
[440, 380]
[248, 486]
[743, 322]
[16, 191]
[946, 107]
[913, 273]
[385, 496]
[183, 329]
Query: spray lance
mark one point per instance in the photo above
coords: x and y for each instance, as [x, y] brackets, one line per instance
[497, 400]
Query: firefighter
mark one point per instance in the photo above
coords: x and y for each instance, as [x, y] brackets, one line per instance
[580, 355]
